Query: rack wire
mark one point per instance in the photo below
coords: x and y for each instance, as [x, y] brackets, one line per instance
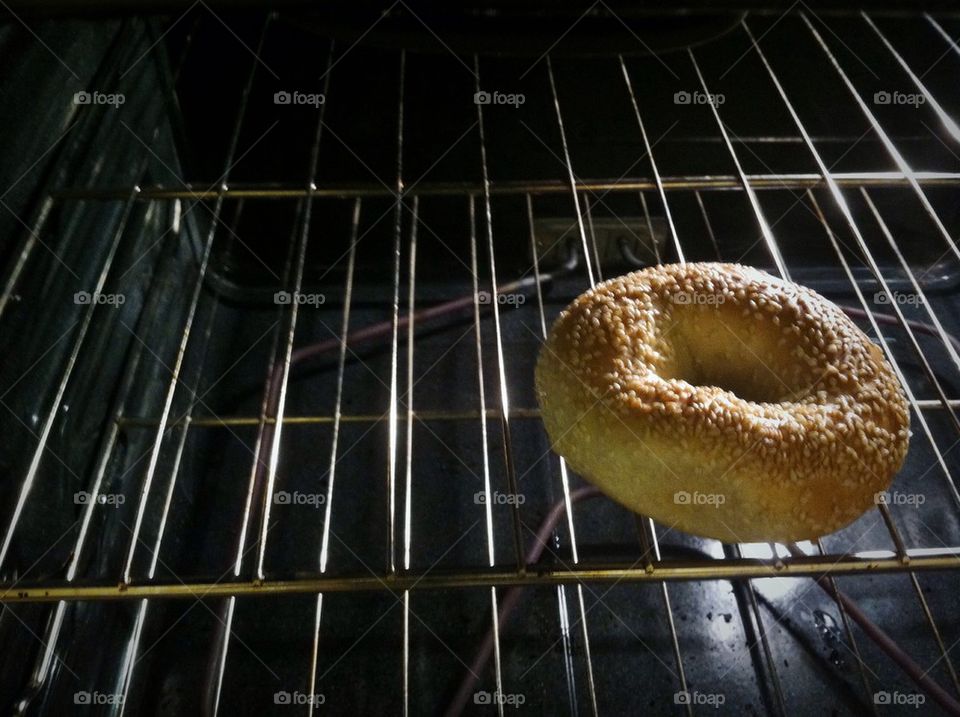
[250, 573]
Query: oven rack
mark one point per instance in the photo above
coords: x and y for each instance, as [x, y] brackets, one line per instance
[495, 401]
[433, 189]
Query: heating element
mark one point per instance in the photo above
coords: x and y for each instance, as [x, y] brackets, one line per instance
[272, 437]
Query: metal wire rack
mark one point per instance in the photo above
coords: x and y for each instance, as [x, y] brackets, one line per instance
[846, 212]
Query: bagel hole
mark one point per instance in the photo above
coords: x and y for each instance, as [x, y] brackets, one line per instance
[751, 382]
[714, 350]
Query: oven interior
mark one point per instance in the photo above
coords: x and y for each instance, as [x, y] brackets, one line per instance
[183, 411]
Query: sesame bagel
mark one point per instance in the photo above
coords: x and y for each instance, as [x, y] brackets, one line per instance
[723, 401]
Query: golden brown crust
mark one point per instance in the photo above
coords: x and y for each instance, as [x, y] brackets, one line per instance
[722, 400]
